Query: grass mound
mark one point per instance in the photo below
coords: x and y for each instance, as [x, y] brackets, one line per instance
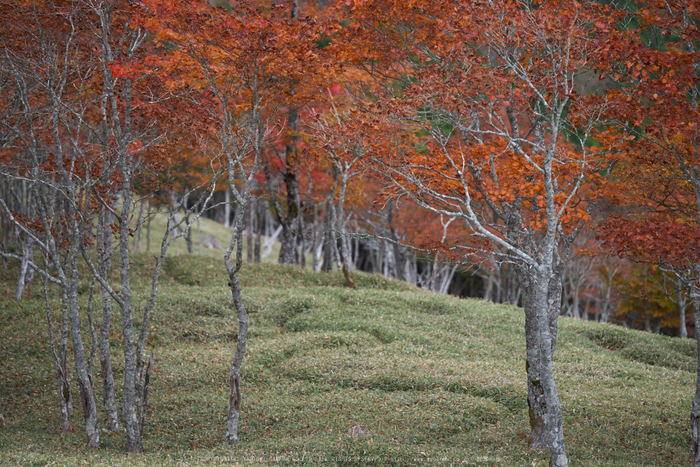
[667, 352]
[434, 379]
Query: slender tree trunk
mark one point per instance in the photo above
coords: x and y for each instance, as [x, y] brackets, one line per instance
[681, 302]
[5, 226]
[302, 241]
[227, 209]
[234, 379]
[25, 269]
[139, 225]
[290, 222]
[188, 241]
[65, 325]
[249, 230]
[65, 399]
[489, 286]
[434, 274]
[356, 250]
[71, 290]
[104, 253]
[84, 382]
[695, 411]
[348, 266]
[314, 241]
[199, 237]
[256, 248]
[575, 307]
[329, 239]
[131, 423]
[148, 227]
[605, 314]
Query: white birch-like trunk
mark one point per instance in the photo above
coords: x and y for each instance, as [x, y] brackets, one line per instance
[227, 209]
[25, 270]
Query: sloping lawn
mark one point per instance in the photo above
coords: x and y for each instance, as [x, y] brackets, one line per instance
[435, 379]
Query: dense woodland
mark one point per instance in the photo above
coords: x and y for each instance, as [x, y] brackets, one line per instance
[538, 153]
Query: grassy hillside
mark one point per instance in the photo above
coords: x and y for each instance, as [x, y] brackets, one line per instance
[206, 227]
[432, 378]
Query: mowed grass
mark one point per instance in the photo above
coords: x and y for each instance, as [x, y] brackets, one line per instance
[435, 379]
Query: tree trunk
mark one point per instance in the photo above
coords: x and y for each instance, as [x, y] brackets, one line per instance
[256, 248]
[148, 227]
[131, 423]
[234, 379]
[695, 411]
[84, 383]
[70, 288]
[289, 223]
[139, 224]
[348, 267]
[546, 343]
[575, 307]
[60, 360]
[328, 240]
[302, 241]
[605, 314]
[681, 302]
[314, 241]
[103, 258]
[535, 391]
[489, 287]
[25, 269]
[540, 301]
[227, 209]
[249, 229]
[188, 240]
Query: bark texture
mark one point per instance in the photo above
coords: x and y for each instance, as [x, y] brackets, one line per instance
[541, 304]
[291, 220]
[695, 410]
[535, 391]
[104, 259]
[84, 383]
[234, 378]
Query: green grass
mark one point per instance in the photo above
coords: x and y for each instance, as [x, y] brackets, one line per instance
[432, 377]
[206, 227]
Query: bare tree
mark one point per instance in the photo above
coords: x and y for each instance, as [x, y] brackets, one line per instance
[46, 66]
